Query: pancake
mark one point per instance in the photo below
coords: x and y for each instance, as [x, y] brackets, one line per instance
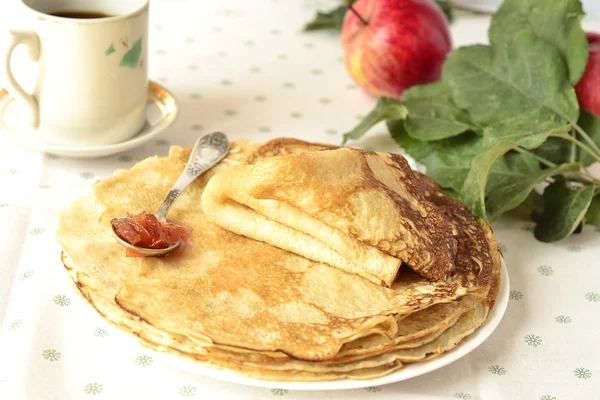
[365, 216]
[225, 288]
[316, 322]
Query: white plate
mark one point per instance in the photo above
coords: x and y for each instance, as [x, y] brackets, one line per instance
[406, 372]
[160, 113]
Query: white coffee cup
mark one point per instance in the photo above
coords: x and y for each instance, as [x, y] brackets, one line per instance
[91, 84]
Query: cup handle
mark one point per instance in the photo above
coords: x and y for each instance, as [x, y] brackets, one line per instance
[29, 39]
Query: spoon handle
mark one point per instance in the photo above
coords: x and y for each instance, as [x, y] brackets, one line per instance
[208, 150]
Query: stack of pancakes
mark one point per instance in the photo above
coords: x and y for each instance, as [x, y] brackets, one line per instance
[307, 262]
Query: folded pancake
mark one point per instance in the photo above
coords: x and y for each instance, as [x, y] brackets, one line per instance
[359, 211]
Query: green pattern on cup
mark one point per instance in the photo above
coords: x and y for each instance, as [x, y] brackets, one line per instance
[131, 58]
[111, 49]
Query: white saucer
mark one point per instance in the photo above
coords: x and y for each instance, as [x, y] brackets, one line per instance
[160, 113]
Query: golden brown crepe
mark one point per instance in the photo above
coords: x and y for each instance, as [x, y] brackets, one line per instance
[360, 211]
[234, 303]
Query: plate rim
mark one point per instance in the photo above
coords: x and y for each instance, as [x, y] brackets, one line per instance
[469, 344]
[97, 151]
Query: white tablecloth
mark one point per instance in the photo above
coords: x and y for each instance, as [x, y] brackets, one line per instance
[246, 69]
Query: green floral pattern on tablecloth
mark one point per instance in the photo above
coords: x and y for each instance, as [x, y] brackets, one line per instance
[187, 391]
[15, 325]
[582, 373]
[545, 270]
[462, 396]
[26, 275]
[143, 361]
[497, 370]
[93, 388]
[515, 295]
[592, 296]
[100, 332]
[236, 68]
[563, 319]
[533, 340]
[51, 355]
[62, 300]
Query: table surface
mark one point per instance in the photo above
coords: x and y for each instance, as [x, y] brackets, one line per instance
[246, 68]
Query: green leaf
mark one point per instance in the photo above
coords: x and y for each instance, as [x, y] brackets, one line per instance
[529, 134]
[132, 57]
[535, 202]
[513, 193]
[555, 150]
[432, 115]
[592, 216]
[524, 163]
[472, 192]
[590, 123]
[447, 8]
[509, 83]
[564, 209]
[386, 109]
[558, 22]
[448, 161]
[332, 19]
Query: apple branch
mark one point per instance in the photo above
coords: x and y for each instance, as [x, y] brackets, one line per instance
[351, 8]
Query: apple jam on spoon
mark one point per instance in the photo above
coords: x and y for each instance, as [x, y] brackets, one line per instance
[151, 235]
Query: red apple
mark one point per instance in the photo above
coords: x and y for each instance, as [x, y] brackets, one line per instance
[391, 45]
[588, 88]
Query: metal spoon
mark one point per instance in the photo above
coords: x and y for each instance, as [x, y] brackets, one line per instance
[208, 151]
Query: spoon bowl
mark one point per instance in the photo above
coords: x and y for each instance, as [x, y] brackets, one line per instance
[206, 153]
